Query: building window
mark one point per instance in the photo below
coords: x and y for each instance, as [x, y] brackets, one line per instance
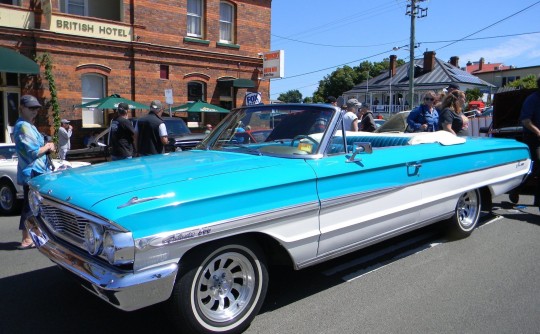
[75, 7]
[164, 72]
[93, 88]
[226, 22]
[195, 18]
[11, 2]
[196, 91]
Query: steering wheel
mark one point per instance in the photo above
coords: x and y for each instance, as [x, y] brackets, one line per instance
[300, 137]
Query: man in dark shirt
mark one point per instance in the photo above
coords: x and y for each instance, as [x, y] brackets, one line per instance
[122, 135]
[366, 122]
[151, 131]
[530, 118]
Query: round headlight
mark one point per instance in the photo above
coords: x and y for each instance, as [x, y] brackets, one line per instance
[34, 200]
[108, 247]
[118, 247]
[93, 238]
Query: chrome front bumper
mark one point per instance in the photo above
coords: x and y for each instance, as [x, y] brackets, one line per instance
[126, 290]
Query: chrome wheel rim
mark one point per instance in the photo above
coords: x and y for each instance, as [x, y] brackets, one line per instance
[6, 198]
[467, 210]
[225, 287]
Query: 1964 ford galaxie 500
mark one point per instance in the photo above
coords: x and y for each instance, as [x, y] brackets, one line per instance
[198, 229]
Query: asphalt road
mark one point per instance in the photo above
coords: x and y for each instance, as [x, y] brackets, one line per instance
[420, 283]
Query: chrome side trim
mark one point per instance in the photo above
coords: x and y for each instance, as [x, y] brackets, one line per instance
[368, 242]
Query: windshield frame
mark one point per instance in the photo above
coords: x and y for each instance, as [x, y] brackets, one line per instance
[221, 138]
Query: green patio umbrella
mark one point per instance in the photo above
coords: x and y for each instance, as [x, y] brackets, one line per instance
[111, 102]
[199, 106]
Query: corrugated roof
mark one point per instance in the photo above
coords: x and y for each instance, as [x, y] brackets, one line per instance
[442, 74]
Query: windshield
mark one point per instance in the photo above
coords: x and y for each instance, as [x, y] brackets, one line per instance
[176, 126]
[275, 129]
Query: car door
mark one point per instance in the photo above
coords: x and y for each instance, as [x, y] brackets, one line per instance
[362, 202]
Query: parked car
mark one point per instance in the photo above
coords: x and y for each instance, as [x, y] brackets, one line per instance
[96, 151]
[11, 194]
[506, 111]
[180, 139]
[198, 229]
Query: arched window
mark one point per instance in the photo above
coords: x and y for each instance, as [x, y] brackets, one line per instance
[196, 91]
[195, 18]
[93, 88]
[226, 22]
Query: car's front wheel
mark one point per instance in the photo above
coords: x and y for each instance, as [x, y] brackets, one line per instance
[220, 289]
[466, 214]
[9, 204]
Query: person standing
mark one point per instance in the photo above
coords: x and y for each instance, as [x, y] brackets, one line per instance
[331, 100]
[32, 157]
[425, 117]
[151, 132]
[64, 134]
[367, 122]
[350, 119]
[452, 87]
[530, 118]
[451, 117]
[208, 129]
[122, 134]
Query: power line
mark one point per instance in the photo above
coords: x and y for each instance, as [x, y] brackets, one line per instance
[491, 25]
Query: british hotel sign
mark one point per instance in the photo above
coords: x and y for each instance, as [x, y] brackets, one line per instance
[90, 27]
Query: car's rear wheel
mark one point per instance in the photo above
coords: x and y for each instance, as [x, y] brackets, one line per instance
[9, 204]
[466, 214]
[220, 288]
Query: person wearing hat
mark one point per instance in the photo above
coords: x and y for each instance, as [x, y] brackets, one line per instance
[64, 142]
[32, 156]
[350, 119]
[122, 134]
[151, 132]
[367, 121]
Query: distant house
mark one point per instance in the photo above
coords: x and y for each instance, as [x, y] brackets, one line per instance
[481, 66]
[430, 73]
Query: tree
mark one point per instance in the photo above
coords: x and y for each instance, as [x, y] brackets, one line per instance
[291, 96]
[473, 94]
[346, 77]
[527, 82]
[307, 100]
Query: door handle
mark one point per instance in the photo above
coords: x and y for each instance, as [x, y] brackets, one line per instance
[413, 168]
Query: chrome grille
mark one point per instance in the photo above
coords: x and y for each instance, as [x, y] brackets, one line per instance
[65, 224]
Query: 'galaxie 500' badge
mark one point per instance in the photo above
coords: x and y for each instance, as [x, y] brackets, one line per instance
[186, 235]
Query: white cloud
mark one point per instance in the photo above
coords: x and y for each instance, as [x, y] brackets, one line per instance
[509, 52]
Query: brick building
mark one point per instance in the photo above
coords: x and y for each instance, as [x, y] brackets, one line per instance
[200, 49]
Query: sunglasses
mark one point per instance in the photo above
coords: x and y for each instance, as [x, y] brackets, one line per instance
[429, 99]
[34, 108]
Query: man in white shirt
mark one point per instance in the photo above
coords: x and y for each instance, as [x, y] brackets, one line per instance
[64, 134]
[350, 119]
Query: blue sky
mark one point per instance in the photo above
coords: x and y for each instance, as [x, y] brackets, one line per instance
[321, 35]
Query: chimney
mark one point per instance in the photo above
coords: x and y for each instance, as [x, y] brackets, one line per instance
[392, 65]
[454, 61]
[481, 64]
[429, 61]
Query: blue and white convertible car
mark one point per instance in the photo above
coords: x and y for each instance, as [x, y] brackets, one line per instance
[199, 229]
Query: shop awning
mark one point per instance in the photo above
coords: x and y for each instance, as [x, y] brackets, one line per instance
[14, 62]
[237, 83]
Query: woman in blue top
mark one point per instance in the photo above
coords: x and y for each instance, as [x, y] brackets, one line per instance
[425, 117]
[32, 159]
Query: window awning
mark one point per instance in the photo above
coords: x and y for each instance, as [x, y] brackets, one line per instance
[14, 62]
[237, 83]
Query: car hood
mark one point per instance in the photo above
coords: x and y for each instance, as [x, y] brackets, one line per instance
[126, 191]
[188, 136]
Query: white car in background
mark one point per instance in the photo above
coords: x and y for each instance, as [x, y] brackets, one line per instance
[11, 194]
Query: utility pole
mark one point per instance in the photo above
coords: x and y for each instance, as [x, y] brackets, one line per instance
[414, 11]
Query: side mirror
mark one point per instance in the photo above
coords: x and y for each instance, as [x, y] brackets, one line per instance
[360, 147]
